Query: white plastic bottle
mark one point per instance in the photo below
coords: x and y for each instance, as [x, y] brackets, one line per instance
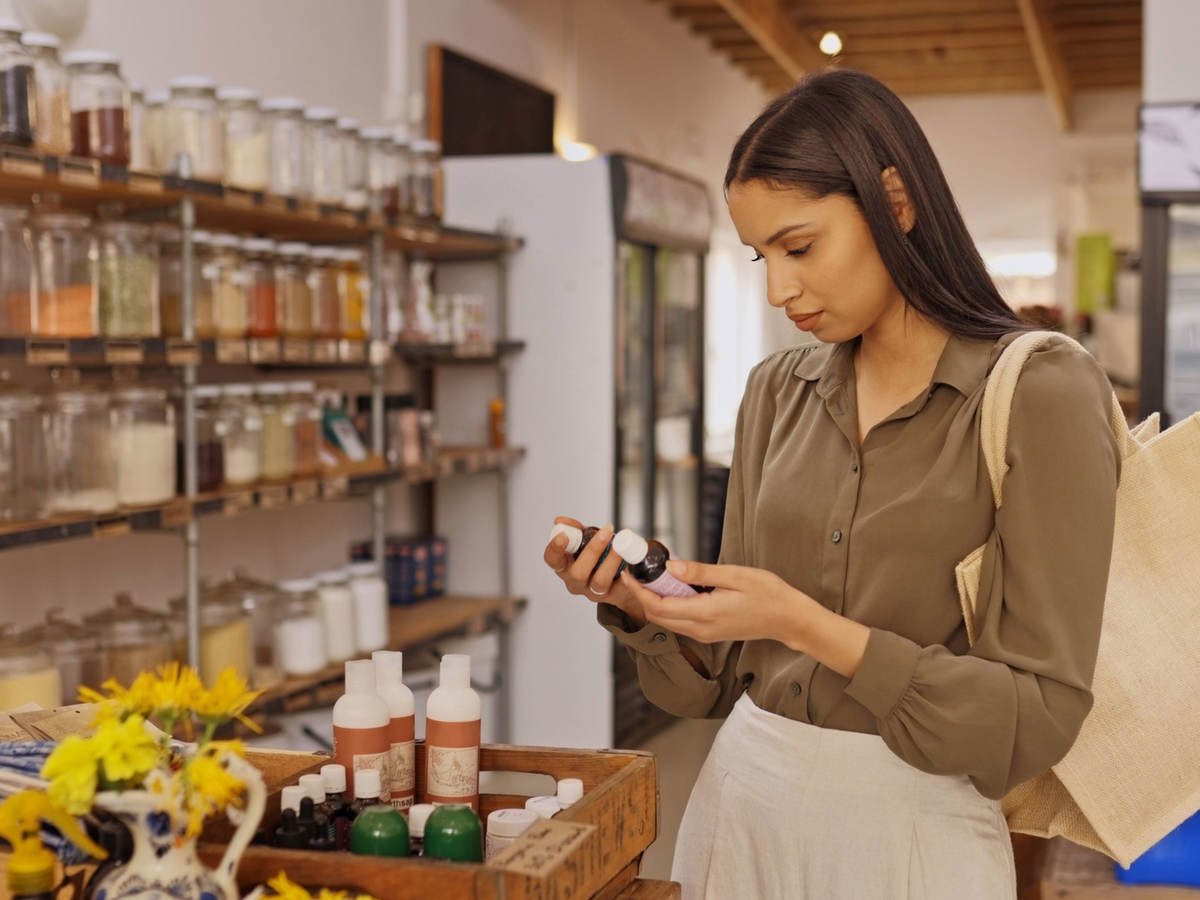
[452, 717]
[570, 792]
[361, 722]
[337, 615]
[402, 766]
[371, 627]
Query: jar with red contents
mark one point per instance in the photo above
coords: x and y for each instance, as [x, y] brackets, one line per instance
[100, 103]
[259, 268]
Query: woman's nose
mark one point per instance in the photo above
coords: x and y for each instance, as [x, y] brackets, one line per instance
[781, 289]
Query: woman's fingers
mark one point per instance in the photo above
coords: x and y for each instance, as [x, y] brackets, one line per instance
[580, 571]
[555, 555]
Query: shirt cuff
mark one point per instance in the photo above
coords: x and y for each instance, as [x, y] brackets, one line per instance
[885, 673]
[649, 640]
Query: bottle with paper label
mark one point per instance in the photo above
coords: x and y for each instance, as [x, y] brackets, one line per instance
[361, 722]
[648, 564]
[402, 770]
[452, 717]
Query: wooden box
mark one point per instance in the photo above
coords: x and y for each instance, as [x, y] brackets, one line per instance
[592, 849]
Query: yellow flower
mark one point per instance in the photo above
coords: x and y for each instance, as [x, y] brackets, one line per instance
[227, 699]
[207, 786]
[22, 812]
[126, 751]
[287, 890]
[71, 771]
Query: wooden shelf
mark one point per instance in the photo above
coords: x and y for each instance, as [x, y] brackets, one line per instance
[1072, 872]
[85, 185]
[410, 626]
[451, 462]
[176, 352]
[439, 354]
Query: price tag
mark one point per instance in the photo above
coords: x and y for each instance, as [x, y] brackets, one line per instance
[143, 183]
[21, 162]
[113, 526]
[296, 351]
[409, 233]
[73, 170]
[352, 351]
[239, 197]
[176, 513]
[474, 350]
[325, 351]
[275, 203]
[183, 353]
[47, 352]
[273, 497]
[339, 486]
[238, 502]
[232, 352]
[381, 353]
[264, 350]
[123, 352]
[305, 491]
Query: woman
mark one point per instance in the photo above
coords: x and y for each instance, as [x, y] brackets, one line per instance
[867, 745]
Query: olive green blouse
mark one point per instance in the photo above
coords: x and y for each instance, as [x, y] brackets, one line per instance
[874, 533]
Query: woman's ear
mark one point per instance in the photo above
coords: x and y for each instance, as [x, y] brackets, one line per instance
[898, 199]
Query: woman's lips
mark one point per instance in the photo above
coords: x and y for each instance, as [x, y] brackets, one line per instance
[806, 322]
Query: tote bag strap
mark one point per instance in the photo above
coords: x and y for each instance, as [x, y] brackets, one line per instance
[998, 397]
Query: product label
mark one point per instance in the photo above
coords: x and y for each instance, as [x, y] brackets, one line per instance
[667, 585]
[452, 762]
[362, 748]
[402, 768]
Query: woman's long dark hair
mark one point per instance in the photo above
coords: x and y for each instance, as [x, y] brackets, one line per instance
[835, 132]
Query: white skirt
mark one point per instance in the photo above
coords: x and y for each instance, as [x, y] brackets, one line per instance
[789, 810]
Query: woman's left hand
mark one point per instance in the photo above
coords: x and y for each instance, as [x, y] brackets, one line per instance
[746, 604]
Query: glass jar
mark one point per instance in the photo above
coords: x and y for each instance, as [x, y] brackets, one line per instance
[259, 601]
[307, 428]
[381, 169]
[403, 151]
[337, 615]
[299, 634]
[225, 637]
[83, 471]
[17, 287]
[133, 639]
[325, 155]
[144, 446]
[192, 125]
[18, 96]
[99, 100]
[226, 282]
[53, 134]
[247, 154]
[292, 291]
[211, 430]
[128, 280]
[352, 290]
[27, 674]
[170, 279]
[152, 130]
[67, 276]
[354, 164]
[24, 473]
[285, 140]
[203, 309]
[277, 459]
[322, 284]
[139, 146]
[243, 423]
[258, 255]
[425, 179]
[75, 651]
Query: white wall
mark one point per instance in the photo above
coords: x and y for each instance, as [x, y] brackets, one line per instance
[1171, 66]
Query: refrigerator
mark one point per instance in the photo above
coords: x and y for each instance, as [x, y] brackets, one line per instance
[607, 398]
[1169, 183]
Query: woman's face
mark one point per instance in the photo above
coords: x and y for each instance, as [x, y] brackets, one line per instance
[823, 268]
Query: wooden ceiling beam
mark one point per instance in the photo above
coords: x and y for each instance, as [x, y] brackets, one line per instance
[1086, 34]
[898, 25]
[940, 55]
[1098, 15]
[877, 9]
[767, 23]
[1048, 59]
[892, 43]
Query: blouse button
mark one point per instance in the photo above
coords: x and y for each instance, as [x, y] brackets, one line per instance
[796, 689]
[660, 637]
[837, 536]
[854, 467]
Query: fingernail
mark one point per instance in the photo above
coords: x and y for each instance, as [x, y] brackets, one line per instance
[675, 567]
[560, 541]
[607, 531]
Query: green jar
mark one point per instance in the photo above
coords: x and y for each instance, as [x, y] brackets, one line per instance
[454, 832]
[379, 830]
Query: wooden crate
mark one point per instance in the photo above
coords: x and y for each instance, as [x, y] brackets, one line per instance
[592, 849]
[1072, 872]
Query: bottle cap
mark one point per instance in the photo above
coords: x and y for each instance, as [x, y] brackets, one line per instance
[365, 569]
[289, 834]
[290, 797]
[455, 671]
[334, 776]
[347, 123]
[192, 83]
[40, 39]
[360, 676]
[510, 822]
[454, 832]
[297, 585]
[570, 790]
[389, 666]
[630, 546]
[314, 787]
[293, 248]
[374, 133]
[418, 813]
[574, 536]
[282, 104]
[367, 783]
[320, 114]
[237, 94]
[380, 831]
[546, 807]
[90, 58]
[333, 576]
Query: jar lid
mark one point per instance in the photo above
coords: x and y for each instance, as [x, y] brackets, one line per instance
[425, 146]
[364, 569]
[271, 389]
[214, 610]
[510, 823]
[18, 656]
[324, 253]
[134, 229]
[282, 104]
[320, 114]
[41, 39]
[293, 248]
[192, 83]
[77, 395]
[199, 236]
[350, 254]
[297, 585]
[208, 391]
[137, 90]
[333, 576]
[347, 123]
[374, 133]
[140, 392]
[91, 58]
[57, 218]
[258, 245]
[125, 620]
[226, 240]
[237, 94]
[60, 632]
[301, 387]
[10, 24]
[238, 390]
[156, 98]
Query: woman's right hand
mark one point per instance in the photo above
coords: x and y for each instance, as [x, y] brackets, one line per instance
[602, 586]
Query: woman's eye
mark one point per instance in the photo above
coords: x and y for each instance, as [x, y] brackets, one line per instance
[800, 251]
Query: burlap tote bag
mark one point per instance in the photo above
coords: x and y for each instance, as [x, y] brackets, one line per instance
[1133, 773]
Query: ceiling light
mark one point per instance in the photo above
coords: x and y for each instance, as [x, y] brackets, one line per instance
[831, 43]
[575, 151]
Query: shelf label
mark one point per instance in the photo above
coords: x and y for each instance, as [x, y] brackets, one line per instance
[474, 349]
[332, 488]
[232, 352]
[123, 352]
[352, 351]
[273, 497]
[176, 513]
[296, 351]
[305, 491]
[275, 203]
[381, 352]
[113, 526]
[238, 502]
[239, 197]
[264, 350]
[144, 183]
[74, 170]
[47, 352]
[543, 847]
[15, 161]
[183, 353]
[325, 351]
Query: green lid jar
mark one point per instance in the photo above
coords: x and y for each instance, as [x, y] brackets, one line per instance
[379, 830]
[454, 832]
